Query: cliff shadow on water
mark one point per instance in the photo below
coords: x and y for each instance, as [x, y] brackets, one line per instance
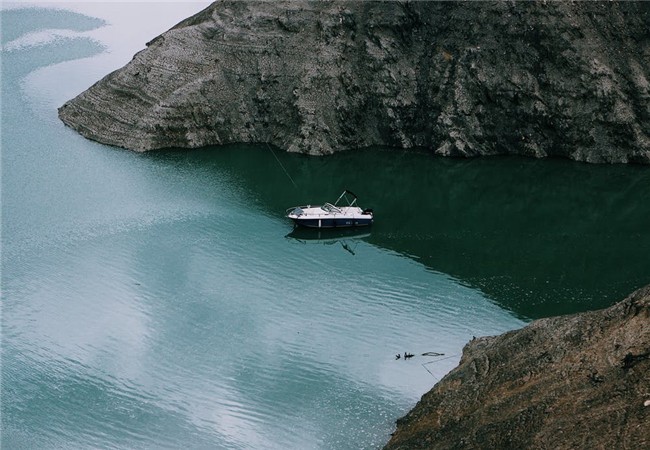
[539, 237]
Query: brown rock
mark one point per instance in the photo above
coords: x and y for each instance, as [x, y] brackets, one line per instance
[578, 381]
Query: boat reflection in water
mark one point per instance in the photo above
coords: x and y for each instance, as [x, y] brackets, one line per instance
[349, 238]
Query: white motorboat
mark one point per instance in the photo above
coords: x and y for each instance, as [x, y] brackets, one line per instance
[332, 215]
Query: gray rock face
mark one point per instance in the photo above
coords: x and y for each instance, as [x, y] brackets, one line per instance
[579, 381]
[461, 78]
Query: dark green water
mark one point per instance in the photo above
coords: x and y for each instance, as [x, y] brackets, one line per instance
[538, 237]
[164, 301]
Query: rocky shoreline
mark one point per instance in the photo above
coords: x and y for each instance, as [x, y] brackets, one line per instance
[540, 79]
[577, 381]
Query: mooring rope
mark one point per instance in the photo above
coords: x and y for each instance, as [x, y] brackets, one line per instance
[435, 361]
[279, 162]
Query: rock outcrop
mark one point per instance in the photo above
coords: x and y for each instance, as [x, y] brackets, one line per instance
[540, 78]
[579, 381]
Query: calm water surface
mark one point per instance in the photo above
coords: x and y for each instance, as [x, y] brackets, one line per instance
[163, 300]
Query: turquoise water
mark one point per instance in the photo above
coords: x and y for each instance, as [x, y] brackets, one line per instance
[162, 300]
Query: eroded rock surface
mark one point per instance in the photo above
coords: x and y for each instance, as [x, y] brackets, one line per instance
[579, 381]
[461, 78]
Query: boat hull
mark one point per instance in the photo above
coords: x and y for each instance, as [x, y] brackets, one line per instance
[331, 215]
[336, 222]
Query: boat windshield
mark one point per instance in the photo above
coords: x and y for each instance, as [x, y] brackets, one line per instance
[328, 207]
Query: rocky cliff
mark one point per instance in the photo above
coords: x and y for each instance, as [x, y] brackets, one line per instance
[461, 78]
[580, 381]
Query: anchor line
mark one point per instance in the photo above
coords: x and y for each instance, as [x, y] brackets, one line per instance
[442, 359]
[430, 373]
[279, 162]
[435, 361]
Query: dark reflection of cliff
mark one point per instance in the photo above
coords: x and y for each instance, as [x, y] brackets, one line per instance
[539, 237]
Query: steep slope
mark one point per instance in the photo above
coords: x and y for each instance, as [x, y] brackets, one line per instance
[580, 381]
[460, 78]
